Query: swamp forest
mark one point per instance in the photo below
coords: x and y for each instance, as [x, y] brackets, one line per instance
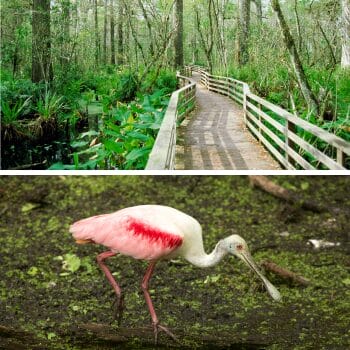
[85, 84]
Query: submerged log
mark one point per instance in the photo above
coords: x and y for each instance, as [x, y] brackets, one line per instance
[280, 192]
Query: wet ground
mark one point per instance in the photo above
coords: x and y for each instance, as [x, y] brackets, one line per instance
[53, 296]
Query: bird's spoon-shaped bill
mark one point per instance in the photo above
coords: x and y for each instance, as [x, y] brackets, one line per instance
[272, 290]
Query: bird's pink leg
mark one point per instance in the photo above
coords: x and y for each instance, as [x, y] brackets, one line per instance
[155, 322]
[119, 299]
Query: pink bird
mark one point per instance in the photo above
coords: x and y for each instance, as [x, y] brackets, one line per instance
[153, 233]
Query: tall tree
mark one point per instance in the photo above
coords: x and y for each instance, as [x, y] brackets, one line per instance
[120, 56]
[178, 40]
[112, 33]
[105, 31]
[206, 36]
[304, 85]
[345, 60]
[65, 54]
[243, 37]
[41, 42]
[97, 37]
[219, 19]
[149, 26]
[259, 9]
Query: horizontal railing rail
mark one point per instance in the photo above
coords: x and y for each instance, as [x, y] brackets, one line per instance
[181, 103]
[293, 141]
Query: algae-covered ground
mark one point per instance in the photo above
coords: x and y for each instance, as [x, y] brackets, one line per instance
[53, 295]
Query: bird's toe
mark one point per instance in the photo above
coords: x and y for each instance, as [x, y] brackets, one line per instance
[158, 328]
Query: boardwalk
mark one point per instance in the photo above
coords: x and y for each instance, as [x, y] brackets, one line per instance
[215, 138]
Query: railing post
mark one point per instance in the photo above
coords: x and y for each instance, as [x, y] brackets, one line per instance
[260, 122]
[340, 157]
[289, 128]
[245, 93]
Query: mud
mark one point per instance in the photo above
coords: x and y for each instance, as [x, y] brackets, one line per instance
[46, 302]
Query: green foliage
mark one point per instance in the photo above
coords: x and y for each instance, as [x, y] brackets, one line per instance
[127, 86]
[13, 90]
[125, 138]
[49, 105]
[165, 80]
[11, 113]
[278, 86]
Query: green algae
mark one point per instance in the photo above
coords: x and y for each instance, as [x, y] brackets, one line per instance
[224, 305]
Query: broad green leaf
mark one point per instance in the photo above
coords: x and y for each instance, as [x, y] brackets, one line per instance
[116, 147]
[138, 136]
[137, 153]
[88, 133]
[78, 144]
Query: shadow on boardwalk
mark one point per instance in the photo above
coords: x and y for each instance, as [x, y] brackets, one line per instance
[215, 137]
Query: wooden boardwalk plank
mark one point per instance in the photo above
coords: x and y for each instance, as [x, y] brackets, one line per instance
[215, 137]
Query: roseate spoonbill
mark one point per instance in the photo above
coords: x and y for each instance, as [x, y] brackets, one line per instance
[153, 233]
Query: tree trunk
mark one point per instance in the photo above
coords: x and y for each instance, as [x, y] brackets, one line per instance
[120, 58]
[304, 85]
[206, 38]
[345, 60]
[244, 24]
[65, 49]
[258, 5]
[41, 50]
[149, 27]
[105, 32]
[97, 39]
[112, 34]
[178, 42]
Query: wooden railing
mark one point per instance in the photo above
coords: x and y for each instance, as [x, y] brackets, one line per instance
[181, 103]
[294, 142]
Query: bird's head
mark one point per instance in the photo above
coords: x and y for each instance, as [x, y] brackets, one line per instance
[238, 247]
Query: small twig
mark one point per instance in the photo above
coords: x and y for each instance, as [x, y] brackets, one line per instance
[284, 273]
[29, 166]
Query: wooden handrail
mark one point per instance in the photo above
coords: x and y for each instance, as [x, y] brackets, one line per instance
[181, 103]
[281, 132]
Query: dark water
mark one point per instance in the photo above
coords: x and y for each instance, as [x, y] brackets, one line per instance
[28, 155]
[40, 157]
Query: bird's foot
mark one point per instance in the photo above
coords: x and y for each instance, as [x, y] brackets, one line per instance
[119, 307]
[158, 327]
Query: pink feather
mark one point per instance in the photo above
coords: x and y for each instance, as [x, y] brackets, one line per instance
[128, 233]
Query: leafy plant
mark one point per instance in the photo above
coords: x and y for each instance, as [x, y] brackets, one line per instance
[124, 140]
[164, 80]
[49, 106]
[11, 113]
[11, 128]
[88, 96]
[48, 109]
[127, 86]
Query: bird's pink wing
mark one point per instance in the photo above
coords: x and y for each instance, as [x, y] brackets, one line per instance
[128, 235]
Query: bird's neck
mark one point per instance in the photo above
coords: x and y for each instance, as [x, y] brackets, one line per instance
[207, 260]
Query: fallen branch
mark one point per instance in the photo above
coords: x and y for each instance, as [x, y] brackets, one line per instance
[29, 166]
[280, 192]
[284, 273]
